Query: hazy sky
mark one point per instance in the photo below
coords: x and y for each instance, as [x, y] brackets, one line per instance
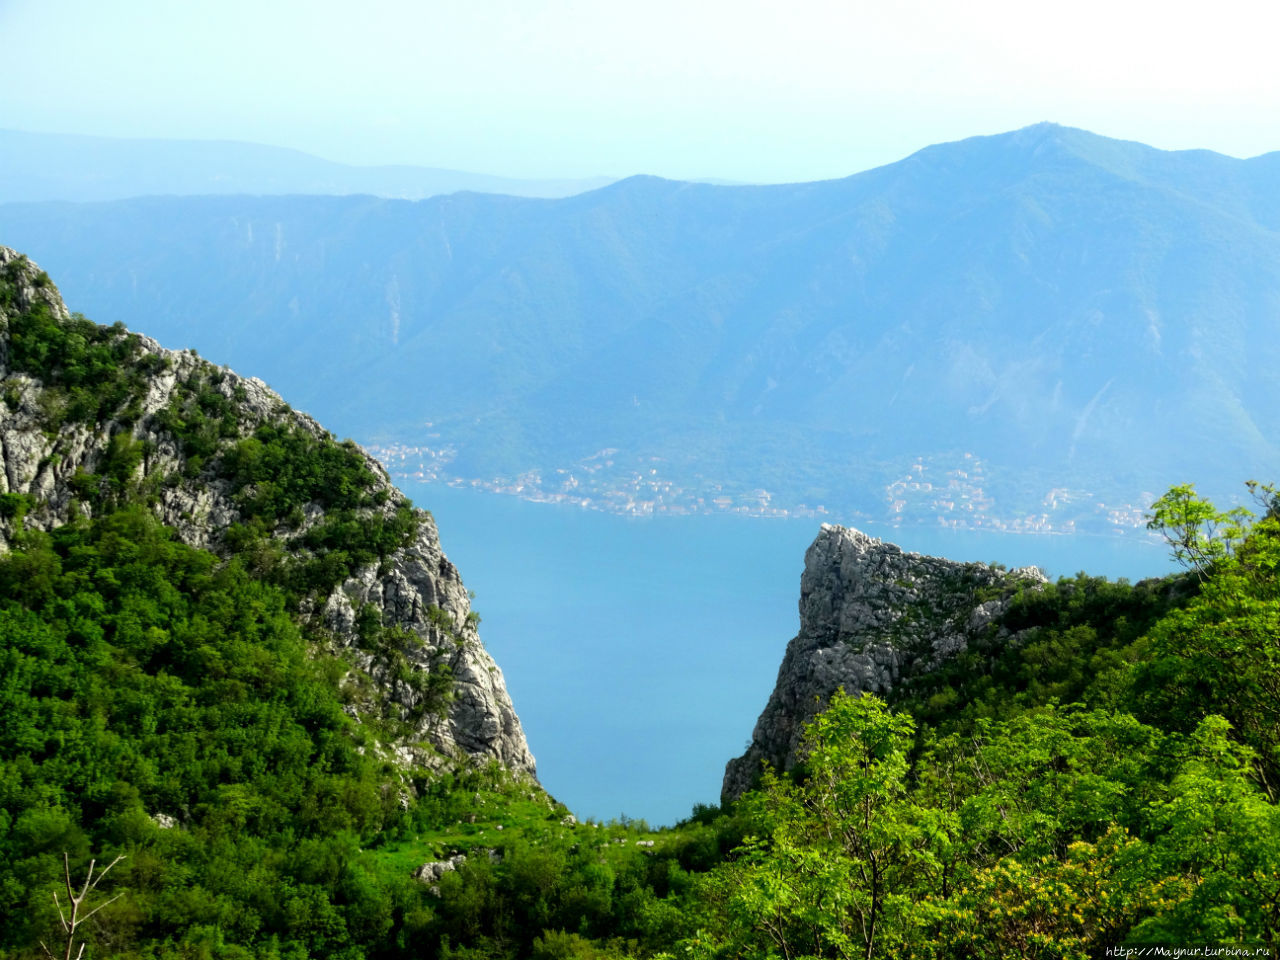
[743, 90]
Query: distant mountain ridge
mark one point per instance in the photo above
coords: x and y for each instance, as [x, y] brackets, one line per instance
[1035, 330]
[48, 166]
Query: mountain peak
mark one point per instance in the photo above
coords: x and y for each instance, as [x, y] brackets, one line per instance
[94, 419]
[872, 616]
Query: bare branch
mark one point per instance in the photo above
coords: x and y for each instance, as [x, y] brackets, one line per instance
[87, 877]
[103, 872]
[76, 902]
[66, 868]
[60, 914]
[101, 905]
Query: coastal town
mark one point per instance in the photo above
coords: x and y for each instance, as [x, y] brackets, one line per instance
[951, 492]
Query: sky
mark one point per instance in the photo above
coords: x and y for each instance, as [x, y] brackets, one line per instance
[744, 90]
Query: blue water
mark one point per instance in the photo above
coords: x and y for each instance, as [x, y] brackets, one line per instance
[639, 652]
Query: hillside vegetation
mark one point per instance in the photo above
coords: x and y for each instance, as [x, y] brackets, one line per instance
[1107, 781]
[1110, 777]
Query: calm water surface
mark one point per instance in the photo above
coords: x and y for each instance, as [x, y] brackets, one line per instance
[639, 652]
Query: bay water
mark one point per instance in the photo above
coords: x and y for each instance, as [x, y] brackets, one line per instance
[640, 651]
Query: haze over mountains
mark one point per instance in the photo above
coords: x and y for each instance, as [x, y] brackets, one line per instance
[1037, 330]
[47, 166]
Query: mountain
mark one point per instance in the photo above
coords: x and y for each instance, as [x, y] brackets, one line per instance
[872, 619]
[1030, 331]
[95, 417]
[49, 166]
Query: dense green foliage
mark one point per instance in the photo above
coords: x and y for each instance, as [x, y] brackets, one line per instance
[277, 471]
[1051, 835]
[1220, 652]
[145, 680]
[996, 822]
[1074, 640]
[90, 373]
[142, 677]
[1101, 768]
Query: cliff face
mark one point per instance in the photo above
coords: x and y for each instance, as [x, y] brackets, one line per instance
[412, 593]
[871, 617]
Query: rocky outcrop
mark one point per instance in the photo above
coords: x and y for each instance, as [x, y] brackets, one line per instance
[414, 593]
[433, 872]
[420, 591]
[871, 616]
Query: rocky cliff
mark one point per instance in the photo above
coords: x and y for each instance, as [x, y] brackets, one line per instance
[871, 617]
[91, 415]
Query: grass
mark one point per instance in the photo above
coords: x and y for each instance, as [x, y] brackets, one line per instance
[503, 820]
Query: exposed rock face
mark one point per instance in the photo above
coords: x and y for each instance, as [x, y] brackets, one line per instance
[433, 872]
[871, 616]
[415, 588]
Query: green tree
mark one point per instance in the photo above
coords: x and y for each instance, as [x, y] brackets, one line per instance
[1219, 653]
[1215, 839]
[1199, 533]
[839, 856]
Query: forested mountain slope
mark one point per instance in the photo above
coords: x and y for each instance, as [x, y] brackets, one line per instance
[95, 418]
[1033, 330]
[236, 667]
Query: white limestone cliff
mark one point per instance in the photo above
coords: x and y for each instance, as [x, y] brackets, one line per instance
[871, 616]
